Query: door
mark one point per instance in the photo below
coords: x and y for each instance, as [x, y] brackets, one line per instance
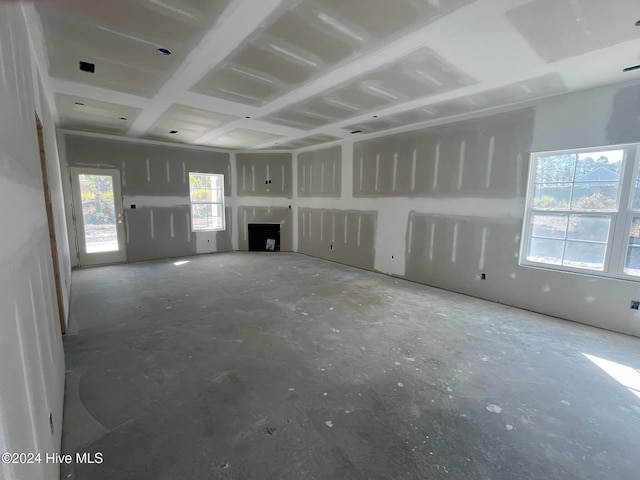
[98, 210]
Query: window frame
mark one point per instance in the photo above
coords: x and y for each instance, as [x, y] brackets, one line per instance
[621, 218]
[221, 203]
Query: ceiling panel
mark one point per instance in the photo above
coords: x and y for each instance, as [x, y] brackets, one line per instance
[310, 38]
[562, 29]
[121, 38]
[517, 92]
[78, 113]
[242, 138]
[190, 123]
[308, 141]
[330, 64]
[420, 74]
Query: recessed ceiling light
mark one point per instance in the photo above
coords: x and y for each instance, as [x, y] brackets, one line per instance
[629, 69]
[173, 132]
[164, 51]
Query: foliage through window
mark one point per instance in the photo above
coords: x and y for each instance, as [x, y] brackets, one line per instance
[583, 211]
[207, 201]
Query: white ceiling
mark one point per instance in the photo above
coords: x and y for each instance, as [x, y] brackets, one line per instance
[258, 74]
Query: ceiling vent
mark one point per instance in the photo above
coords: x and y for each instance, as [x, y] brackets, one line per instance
[87, 67]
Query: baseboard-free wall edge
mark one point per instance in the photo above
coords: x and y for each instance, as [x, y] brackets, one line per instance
[460, 292]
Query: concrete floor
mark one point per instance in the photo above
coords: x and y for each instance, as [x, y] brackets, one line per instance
[281, 366]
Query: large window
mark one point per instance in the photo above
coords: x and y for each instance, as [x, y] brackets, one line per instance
[207, 201]
[583, 212]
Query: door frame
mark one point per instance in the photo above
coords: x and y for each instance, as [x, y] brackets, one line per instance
[99, 258]
[51, 223]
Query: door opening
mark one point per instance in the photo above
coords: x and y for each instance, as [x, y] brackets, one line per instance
[99, 220]
[51, 222]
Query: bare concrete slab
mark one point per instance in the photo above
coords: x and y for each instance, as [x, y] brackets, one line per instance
[282, 366]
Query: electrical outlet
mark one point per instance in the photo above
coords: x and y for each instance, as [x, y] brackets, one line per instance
[635, 305]
[331, 247]
[483, 276]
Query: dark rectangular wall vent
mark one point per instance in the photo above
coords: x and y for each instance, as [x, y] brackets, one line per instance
[87, 67]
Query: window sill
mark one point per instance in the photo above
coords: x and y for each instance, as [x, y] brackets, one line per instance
[585, 273]
[205, 230]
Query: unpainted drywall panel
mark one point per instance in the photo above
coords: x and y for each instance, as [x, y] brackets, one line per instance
[452, 252]
[31, 352]
[421, 73]
[320, 173]
[159, 232]
[307, 141]
[624, 124]
[220, 241]
[148, 169]
[256, 170]
[80, 113]
[344, 236]
[277, 215]
[165, 232]
[527, 90]
[120, 37]
[303, 39]
[188, 123]
[559, 30]
[589, 118]
[479, 158]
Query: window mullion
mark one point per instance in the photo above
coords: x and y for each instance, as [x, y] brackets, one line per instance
[620, 231]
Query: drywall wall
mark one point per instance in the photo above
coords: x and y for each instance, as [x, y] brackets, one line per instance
[264, 174]
[470, 159]
[448, 203]
[320, 173]
[344, 236]
[265, 186]
[31, 356]
[155, 178]
[261, 214]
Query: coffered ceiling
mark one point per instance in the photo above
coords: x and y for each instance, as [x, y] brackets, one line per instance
[276, 74]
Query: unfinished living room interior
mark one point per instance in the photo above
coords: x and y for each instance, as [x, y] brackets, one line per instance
[320, 239]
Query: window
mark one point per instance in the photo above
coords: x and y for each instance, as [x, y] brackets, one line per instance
[207, 201]
[583, 212]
